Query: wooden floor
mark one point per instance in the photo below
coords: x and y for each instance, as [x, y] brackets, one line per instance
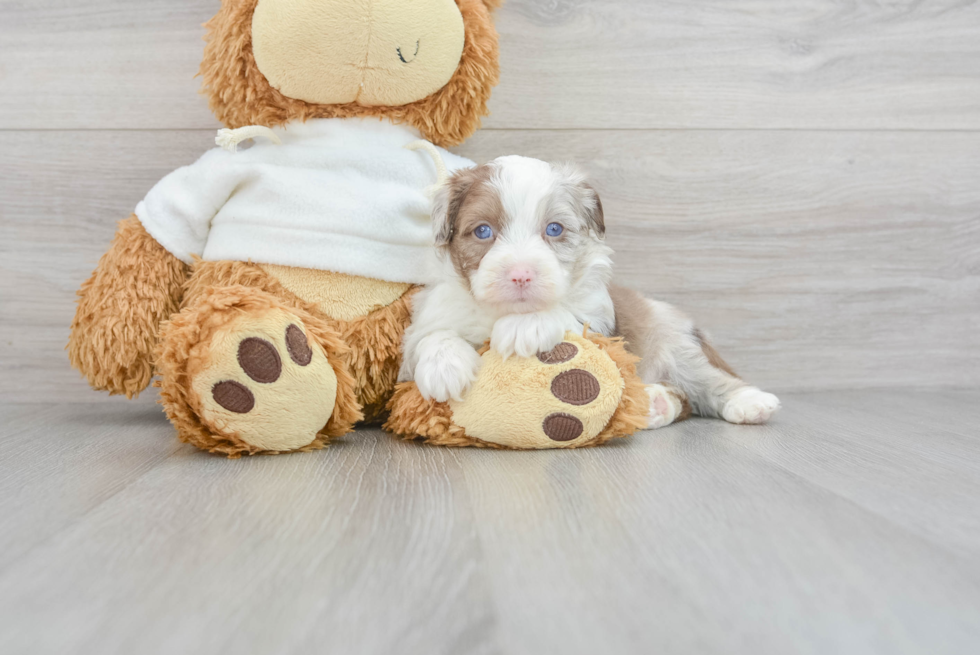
[849, 525]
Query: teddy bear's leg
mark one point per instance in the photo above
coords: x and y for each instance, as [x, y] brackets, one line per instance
[583, 393]
[243, 373]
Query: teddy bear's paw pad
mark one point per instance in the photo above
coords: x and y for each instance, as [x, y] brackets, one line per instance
[298, 346]
[576, 387]
[233, 396]
[260, 360]
[562, 427]
[563, 352]
[264, 382]
[562, 398]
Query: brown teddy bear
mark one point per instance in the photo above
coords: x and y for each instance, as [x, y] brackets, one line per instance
[269, 287]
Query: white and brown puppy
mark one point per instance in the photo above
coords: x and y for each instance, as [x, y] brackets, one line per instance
[520, 260]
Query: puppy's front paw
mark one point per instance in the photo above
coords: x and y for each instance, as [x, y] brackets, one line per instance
[446, 370]
[750, 405]
[526, 335]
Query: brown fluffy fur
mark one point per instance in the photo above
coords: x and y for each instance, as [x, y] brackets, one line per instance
[413, 417]
[634, 408]
[240, 95]
[375, 340]
[197, 323]
[136, 285]
[121, 330]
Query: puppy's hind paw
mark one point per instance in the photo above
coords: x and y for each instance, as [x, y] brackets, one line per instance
[665, 406]
[750, 406]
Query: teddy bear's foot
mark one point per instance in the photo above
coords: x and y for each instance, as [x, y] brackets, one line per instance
[582, 393]
[263, 381]
[242, 373]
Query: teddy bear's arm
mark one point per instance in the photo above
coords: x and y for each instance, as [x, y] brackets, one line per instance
[136, 285]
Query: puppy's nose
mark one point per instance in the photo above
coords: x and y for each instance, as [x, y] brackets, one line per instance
[521, 276]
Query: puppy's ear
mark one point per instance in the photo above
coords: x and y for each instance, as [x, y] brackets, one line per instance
[449, 200]
[583, 197]
[592, 209]
[445, 209]
[442, 224]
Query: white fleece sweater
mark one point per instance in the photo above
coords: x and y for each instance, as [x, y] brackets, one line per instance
[341, 195]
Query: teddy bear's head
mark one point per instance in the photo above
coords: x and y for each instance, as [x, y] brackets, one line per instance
[428, 63]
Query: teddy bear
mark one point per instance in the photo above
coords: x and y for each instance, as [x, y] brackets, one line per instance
[267, 286]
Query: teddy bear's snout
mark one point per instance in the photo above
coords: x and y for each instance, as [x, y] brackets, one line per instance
[312, 50]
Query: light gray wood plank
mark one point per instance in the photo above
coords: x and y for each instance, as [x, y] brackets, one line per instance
[681, 541]
[815, 260]
[102, 64]
[582, 64]
[61, 462]
[698, 538]
[763, 65]
[909, 456]
[63, 194]
[367, 547]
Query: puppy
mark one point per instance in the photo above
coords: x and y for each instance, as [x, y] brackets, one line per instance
[520, 259]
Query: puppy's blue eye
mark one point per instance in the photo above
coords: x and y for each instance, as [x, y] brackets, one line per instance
[554, 230]
[483, 232]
